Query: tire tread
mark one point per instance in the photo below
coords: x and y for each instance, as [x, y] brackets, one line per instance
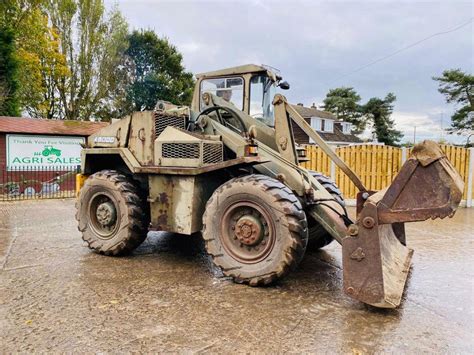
[137, 226]
[297, 227]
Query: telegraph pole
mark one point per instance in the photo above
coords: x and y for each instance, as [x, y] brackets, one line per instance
[414, 135]
[441, 125]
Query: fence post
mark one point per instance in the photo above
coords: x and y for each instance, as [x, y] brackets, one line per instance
[333, 171]
[470, 172]
[332, 166]
[404, 155]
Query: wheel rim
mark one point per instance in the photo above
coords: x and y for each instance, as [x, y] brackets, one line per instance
[247, 232]
[103, 216]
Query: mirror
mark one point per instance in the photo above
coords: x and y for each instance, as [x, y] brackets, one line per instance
[284, 85]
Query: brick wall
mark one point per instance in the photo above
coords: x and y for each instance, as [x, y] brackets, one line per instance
[300, 136]
[3, 149]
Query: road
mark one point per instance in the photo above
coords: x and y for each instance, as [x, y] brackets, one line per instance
[56, 295]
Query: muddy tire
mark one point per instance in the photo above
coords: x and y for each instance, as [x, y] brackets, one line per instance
[111, 213]
[318, 237]
[255, 229]
[330, 186]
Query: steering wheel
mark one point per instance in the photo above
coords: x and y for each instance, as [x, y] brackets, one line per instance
[224, 120]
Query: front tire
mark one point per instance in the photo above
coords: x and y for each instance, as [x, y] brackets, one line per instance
[111, 215]
[255, 229]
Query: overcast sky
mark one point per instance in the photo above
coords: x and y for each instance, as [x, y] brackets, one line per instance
[318, 46]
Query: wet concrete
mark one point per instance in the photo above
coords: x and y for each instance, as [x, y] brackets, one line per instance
[56, 295]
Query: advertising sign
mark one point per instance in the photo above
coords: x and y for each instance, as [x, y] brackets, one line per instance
[43, 151]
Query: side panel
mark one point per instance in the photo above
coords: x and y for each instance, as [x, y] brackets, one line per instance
[177, 203]
[142, 136]
[112, 136]
[95, 159]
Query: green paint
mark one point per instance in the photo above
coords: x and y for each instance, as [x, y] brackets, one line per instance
[50, 150]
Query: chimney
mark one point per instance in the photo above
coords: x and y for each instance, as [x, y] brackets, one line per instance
[313, 105]
[299, 104]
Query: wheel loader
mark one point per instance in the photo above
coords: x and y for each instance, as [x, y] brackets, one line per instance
[228, 167]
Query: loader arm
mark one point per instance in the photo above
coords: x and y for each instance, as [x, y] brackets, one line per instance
[321, 205]
[282, 111]
[376, 261]
[199, 168]
[295, 177]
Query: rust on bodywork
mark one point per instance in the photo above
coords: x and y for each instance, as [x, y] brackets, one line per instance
[164, 198]
[376, 260]
[426, 188]
[162, 221]
[161, 208]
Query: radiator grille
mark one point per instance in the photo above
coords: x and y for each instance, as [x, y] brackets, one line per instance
[180, 150]
[163, 120]
[212, 153]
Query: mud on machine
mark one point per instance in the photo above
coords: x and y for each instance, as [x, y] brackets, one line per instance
[228, 166]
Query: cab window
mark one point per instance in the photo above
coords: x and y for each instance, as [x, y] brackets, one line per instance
[262, 91]
[230, 89]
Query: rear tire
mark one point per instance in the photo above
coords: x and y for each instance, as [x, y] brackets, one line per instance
[111, 215]
[255, 229]
[318, 237]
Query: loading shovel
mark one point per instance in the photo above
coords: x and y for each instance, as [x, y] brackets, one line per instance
[376, 261]
[375, 258]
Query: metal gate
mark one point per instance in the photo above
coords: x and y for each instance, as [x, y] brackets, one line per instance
[21, 183]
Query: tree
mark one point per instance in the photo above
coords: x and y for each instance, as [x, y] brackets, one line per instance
[42, 67]
[93, 45]
[9, 103]
[379, 111]
[343, 102]
[70, 60]
[155, 71]
[13, 12]
[37, 54]
[458, 88]
[10, 12]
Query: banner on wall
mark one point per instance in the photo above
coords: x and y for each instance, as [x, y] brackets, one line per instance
[28, 151]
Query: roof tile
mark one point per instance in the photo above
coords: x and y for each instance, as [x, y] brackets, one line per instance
[42, 126]
[308, 112]
[337, 135]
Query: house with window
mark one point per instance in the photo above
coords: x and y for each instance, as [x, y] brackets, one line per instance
[334, 132]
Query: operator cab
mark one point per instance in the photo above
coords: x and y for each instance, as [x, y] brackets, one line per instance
[262, 91]
[250, 88]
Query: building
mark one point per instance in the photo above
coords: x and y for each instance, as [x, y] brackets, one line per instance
[35, 152]
[334, 132]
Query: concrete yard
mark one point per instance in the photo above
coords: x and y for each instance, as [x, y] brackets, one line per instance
[57, 295]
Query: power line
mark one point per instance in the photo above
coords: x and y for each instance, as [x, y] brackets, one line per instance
[403, 49]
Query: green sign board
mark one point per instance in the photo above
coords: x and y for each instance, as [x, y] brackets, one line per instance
[25, 151]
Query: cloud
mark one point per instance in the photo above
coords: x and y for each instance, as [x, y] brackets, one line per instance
[317, 45]
[430, 125]
[189, 47]
[425, 125]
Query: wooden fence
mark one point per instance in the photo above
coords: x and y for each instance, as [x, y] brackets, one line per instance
[377, 165]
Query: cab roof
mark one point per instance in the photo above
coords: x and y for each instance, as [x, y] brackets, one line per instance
[242, 69]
